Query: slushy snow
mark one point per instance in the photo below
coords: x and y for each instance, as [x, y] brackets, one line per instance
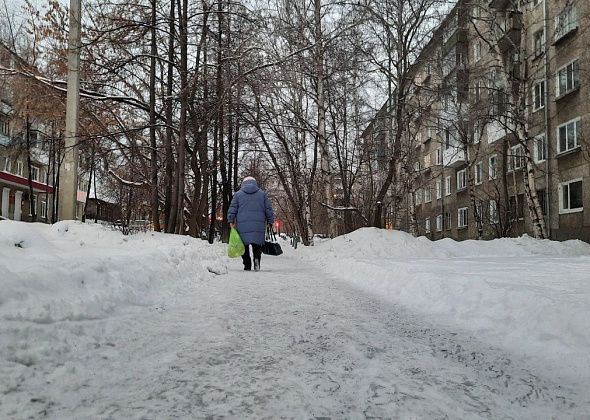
[94, 324]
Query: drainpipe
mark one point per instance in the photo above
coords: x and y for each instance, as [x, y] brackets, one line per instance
[547, 148]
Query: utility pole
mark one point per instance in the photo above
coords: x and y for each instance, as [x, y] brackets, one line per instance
[68, 182]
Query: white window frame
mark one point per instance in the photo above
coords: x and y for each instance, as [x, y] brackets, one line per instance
[541, 47]
[572, 77]
[478, 173]
[539, 95]
[439, 223]
[439, 192]
[516, 158]
[494, 215]
[477, 48]
[427, 225]
[34, 206]
[461, 179]
[439, 156]
[418, 196]
[19, 168]
[43, 211]
[562, 209]
[7, 165]
[427, 160]
[448, 186]
[462, 215]
[540, 139]
[35, 173]
[493, 169]
[427, 195]
[576, 123]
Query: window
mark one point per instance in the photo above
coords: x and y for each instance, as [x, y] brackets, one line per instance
[417, 166]
[439, 189]
[494, 216]
[33, 208]
[439, 159]
[539, 95]
[568, 78]
[19, 168]
[492, 166]
[427, 225]
[448, 186]
[516, 158]
[540, 149]
[476, 136]
[427, 161]
[567, 135]
[448, 220]
[477, 51]
[478, 173]
[449, 62]
[439, 223]
[477, 90]
[4, 125]
[418, 197]
[570, 197]
[7, 165]
[539, 42]
[461, 179]
[517, 207]
[34, 173]
[462, 217]
[43, 209]
[566, 22]
[427, 195]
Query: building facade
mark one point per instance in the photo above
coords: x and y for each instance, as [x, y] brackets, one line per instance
[499, 146]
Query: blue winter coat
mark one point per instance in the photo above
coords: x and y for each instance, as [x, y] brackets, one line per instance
[251, 211]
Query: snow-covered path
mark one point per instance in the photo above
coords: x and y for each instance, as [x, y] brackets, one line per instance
[288, 342]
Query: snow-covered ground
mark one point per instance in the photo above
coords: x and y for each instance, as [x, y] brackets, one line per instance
[373, 324]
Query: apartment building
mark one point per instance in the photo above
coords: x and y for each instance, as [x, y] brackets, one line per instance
[503, 87]
[29, 144]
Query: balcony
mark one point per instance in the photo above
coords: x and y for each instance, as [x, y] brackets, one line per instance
[497, 131]
[509, 31]
[454, 157]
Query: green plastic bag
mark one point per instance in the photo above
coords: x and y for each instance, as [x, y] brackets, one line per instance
[235, 247]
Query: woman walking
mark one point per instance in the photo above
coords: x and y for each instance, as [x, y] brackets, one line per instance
[250, 212]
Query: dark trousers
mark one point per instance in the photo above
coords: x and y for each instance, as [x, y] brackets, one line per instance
[256, 250]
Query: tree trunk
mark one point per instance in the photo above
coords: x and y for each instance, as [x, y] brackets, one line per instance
[155, 199]
[171, 201]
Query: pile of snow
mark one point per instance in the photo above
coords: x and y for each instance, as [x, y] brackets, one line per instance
[529, 296]
[75, 271]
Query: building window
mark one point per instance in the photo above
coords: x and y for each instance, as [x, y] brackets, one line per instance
[34, 173]
[33, 208]
[567, 135]
[439, 223]
[517, 207]
[439, 159]
[427, 195]
[428, 225]
[448, 186]
[540, 149]
[43, 209]
[4, 126]
[418, 197]
[539, 42]
[448, 220]
[539, 95]
[19, 168]
[494, 216]
[449, 62]
[477, 51]
[566, 22]
[492, 166]
[427, 161]
[476, 136]
[439, 189]
[568, 78]
[7, 165]
[462, 217]
[461, 179]
[516, 158]
[478, 173]
[571, 198]
[417, 166]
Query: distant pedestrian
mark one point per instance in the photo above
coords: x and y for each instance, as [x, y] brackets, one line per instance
[250, 212]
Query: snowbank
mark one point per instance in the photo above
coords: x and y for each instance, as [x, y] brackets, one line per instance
[75, 271]
[530, 296]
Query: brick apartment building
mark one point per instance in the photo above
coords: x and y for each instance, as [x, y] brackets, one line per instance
[491, 68]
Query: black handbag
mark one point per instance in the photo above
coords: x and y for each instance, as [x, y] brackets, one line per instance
[271, 247]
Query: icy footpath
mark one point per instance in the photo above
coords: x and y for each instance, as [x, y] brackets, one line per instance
[531, 297]
[71, 271]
